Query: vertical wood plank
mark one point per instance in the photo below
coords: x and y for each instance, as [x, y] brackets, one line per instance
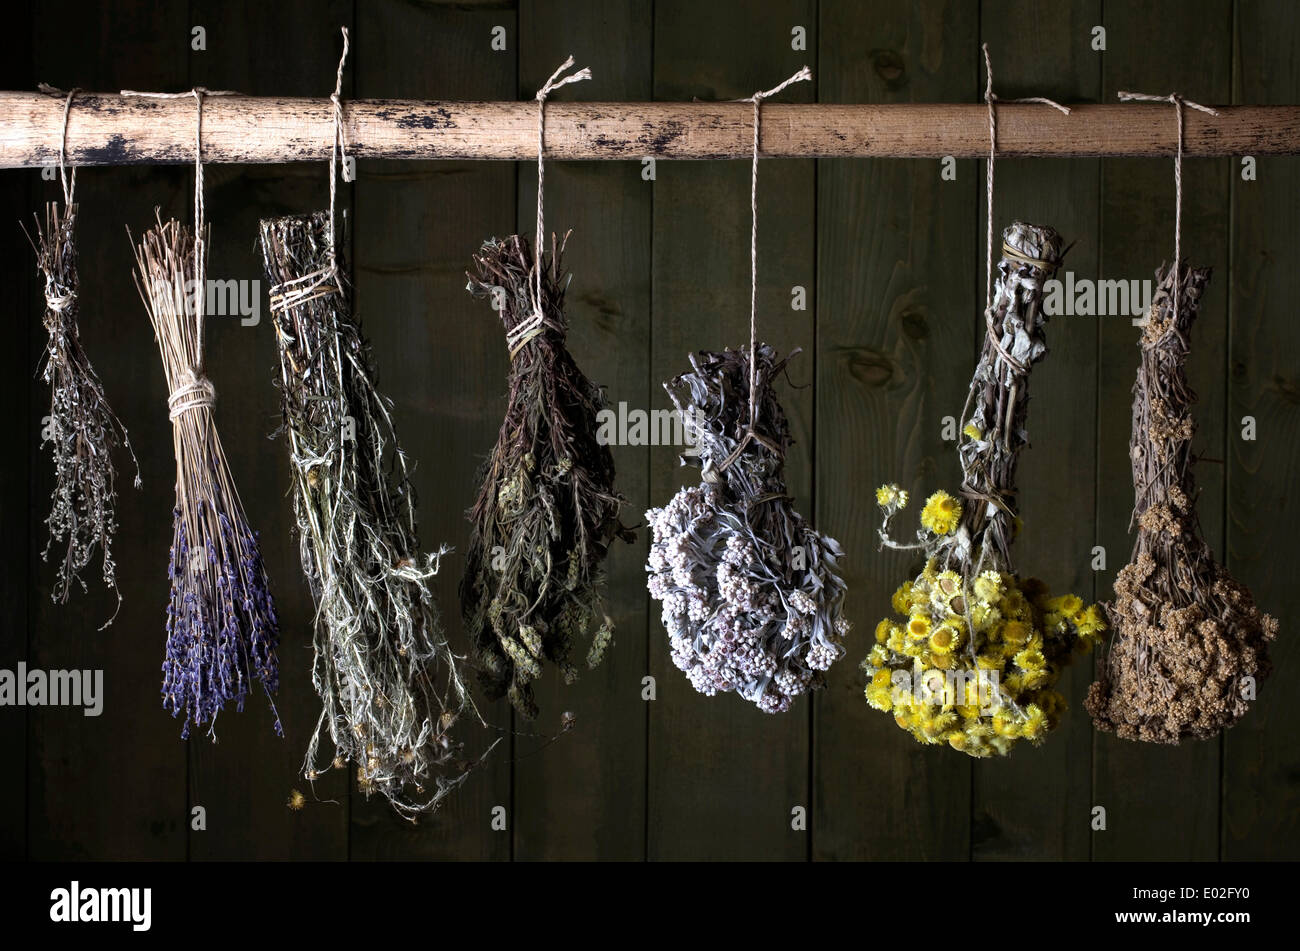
[441, 354]
[1260, 763]
[897, 266]
[112, 786]
[1035, 803]
[1161, 801]
[23, 414]
[723, 776]
[584, 796]
[243, 782]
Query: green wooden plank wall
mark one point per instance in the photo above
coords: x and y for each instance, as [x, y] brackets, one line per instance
[889, 255]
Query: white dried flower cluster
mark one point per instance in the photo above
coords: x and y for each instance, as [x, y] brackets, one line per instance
[738, 618]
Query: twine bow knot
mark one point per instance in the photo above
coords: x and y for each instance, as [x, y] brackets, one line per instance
[192, 392]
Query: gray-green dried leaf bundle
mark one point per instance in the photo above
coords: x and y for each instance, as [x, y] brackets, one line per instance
[547, 511]
[388, 681]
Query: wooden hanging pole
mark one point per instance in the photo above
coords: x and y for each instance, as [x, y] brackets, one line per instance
[109, 129]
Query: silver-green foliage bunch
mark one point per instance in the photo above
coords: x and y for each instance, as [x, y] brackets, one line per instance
[387, 678]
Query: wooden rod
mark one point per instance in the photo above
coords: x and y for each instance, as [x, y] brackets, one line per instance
[109, 129]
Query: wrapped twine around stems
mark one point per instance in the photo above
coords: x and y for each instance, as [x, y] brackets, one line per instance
[222, 630]
[387, 679]
[547, 511]
[1189, 644]
[751, 594]
[973, 658]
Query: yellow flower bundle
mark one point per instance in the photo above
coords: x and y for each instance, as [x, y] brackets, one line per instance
[972, 655]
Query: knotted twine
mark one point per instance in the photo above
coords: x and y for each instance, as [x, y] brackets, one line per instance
[193, 389]
[530, 328]
[990, 98]
[1178, 102]
[324, 281]
[751, 433]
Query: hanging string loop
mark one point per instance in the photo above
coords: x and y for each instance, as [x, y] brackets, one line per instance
[803, 75]
[1178, 102]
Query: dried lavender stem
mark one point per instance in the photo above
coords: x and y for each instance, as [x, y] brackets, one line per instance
[222, 630]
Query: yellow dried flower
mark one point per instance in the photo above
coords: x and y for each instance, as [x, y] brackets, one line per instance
[941, 513]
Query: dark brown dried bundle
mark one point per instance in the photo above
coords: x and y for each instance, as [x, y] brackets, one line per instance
[1190, 643]
[547, 511]
[82, 430]
[388, 682]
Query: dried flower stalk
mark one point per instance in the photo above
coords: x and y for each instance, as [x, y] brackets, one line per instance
[547, 512]
[222, 630]
[751, 594]
[83, 431]
[974, 657]
[1190, 643]
[387, 679]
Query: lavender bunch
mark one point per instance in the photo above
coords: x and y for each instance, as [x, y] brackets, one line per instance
[387, 679]
[751, 595]
[83, 431]
[222, 631]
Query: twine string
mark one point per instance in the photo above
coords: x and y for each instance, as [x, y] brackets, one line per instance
[338, 148]
[803, 75]
[193, 389]
[69, 188]
[552, 84]
[1178, 102]
[990, 98]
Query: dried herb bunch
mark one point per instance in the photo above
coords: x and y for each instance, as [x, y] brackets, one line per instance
[222, 631]
[751, 594]
[547, 512]
[83, 431]
[975, 652]
[1187, 634]
[386, 677]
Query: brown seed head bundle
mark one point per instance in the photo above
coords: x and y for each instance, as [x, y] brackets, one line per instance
[547, 511]
[1190, 643]
[82, 432]
[387, 679]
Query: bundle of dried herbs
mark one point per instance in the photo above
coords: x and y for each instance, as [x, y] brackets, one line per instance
[222, 631]
[976, 651]
[82, 431]
[547, 512]
[386, 677]
[751, 594]
[1190, 643]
